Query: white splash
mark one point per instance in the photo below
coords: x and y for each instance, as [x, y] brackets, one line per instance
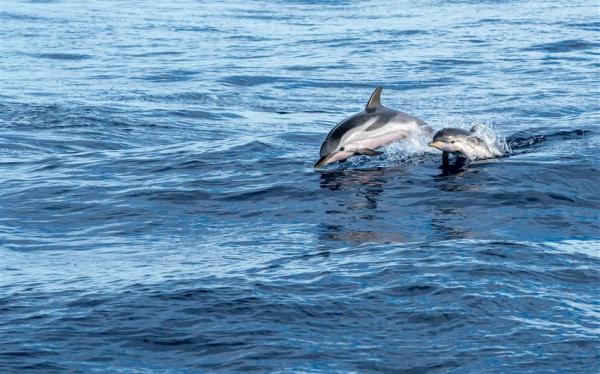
[409, 149]
[489, 134]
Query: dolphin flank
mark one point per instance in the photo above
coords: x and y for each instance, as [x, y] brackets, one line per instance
[364, 132]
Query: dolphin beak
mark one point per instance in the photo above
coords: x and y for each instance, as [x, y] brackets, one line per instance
[439, 145]
[322, 161]
[333, 157]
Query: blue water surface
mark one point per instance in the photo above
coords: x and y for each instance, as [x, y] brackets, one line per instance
[159, 211]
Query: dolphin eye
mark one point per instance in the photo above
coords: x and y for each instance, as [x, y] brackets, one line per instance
[452, 142]
[342, 149]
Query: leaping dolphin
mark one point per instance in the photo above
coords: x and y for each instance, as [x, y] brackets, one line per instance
[364, 132]
[463, 143]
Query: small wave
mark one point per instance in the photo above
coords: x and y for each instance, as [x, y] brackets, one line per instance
[249, 80]
[207, 29]
[18, 16]
[61, 56]
[176, 75]
[529, 138]
[160, 53]
[201, 114]
[454, 62]
[591, 26]
[563, 46]
[408, 32]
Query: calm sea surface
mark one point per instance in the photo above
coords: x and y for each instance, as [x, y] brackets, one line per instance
[159, 211]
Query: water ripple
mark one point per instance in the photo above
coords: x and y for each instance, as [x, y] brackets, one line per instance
[159, 210]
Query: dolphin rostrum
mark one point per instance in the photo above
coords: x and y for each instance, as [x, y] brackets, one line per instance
[464, 144]
[364, 132]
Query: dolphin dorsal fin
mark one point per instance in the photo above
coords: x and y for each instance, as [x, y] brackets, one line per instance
[374, 101]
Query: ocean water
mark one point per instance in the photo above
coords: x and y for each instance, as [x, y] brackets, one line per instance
[159, 211]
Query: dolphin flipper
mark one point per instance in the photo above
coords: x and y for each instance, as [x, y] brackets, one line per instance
[368, 152]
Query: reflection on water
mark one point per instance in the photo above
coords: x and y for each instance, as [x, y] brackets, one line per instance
[354, 214]
[338, 179]
[355, 207]
[339, 233]
[459, 166]
[449, 221]
[456, 182]
[367, 185]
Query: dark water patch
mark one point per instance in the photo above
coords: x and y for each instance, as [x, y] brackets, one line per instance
[407, 32]
[569, 45]
[541, 199]
[199, 114]
[171, 196]
[272, 192]
[234, 153]
[159, 53]
[323, 2]
[551, 58]
[453, 62]
[306, 68]
[591, 26]
[21, 116]
[253, 147]
[197, 98]
[478, 41]
[340, 42]
[524, 139]
[202, 29]
[61, 56]
[265, 15]
[300, 137]
[128, 46]
[491, 20]
[105, 76]
[18, 16]
[176, 75]
[551, 112]
[583, 276]
[250, 80]
[251, 38]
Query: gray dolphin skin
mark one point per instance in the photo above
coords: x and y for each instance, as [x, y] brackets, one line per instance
[463, 143]
[364, 132]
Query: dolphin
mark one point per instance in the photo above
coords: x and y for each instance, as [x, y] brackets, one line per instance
[464, 144]
[362, 133]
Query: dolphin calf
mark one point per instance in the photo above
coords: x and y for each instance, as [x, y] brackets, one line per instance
[463, 144]
[364, 132]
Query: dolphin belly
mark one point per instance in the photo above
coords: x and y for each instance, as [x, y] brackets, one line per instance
[376, 142]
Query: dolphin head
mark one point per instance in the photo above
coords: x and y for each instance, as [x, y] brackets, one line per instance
[451, 140]
[332, 149]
